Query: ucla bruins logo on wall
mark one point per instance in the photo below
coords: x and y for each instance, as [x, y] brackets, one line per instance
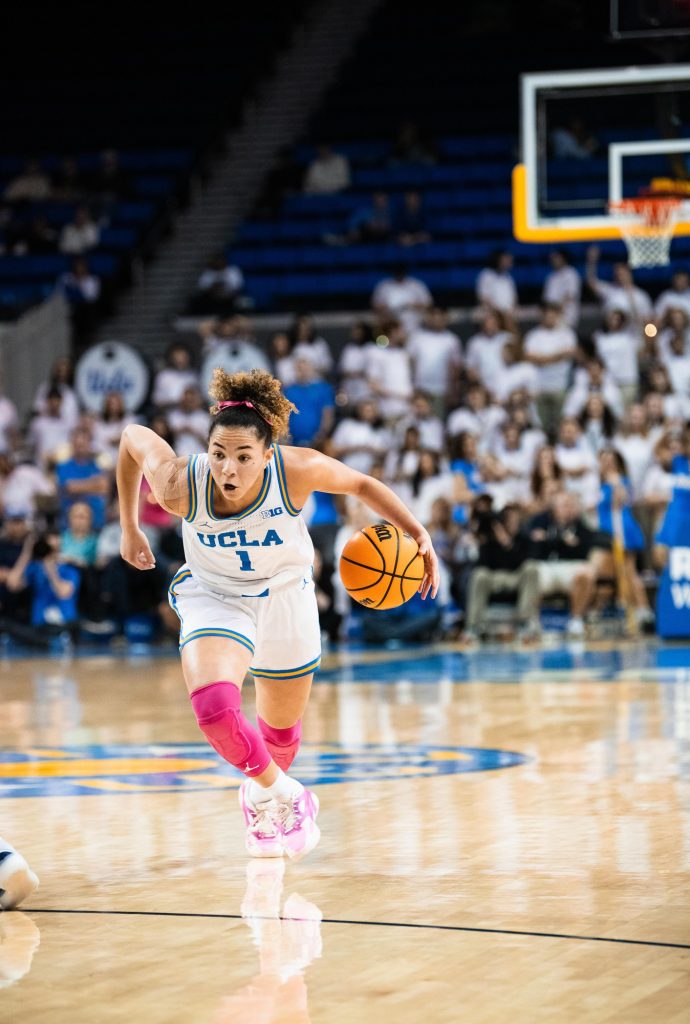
[184, 767]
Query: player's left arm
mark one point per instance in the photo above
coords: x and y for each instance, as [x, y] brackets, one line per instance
[308, 470]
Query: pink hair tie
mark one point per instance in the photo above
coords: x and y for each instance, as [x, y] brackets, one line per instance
[250, 405]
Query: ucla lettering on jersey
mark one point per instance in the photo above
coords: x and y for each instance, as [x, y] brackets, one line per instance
[266, 546]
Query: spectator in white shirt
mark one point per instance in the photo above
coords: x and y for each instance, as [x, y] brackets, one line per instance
[511, 467]
[436, 359]
[107, 429]
[484, 357]
[361, 439]
[308, 344]
[496, 289]
[562, 287]
[48, 430]
[622, 294]
[284, 366]
[577, 463]
[422, 417]
[189, 422]
[477, 414]
[62, 378]
[220, 287]
[675, 297]
[25, 484]
[32, 185]
[352, 364]
[618, 347]
[9, 423]
[402, 298]
[635, 441]
[327, 173]
[431, 481]
[676, 321]
[169, 383]
[389, 371]
[657, 484]
[515, 375]
[219, 331]
[598, 423]
[593, 379]
[81, 234]
[551, 347]
[678, 366]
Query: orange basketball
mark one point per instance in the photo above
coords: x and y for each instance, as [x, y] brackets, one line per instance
[381, 566]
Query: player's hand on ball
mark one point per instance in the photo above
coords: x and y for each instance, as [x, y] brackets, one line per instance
[431, 574]
[135, 549]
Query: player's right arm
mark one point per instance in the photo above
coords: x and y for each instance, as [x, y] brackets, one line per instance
[144, 453]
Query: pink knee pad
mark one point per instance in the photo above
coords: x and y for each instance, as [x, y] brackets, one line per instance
[282, 743]
[217, 710]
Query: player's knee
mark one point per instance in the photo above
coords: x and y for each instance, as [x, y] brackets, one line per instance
[217, 710]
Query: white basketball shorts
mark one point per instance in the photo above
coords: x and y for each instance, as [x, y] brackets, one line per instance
[281, 630]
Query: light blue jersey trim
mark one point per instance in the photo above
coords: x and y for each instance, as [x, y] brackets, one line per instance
[282, 483]
[193, 494]
[245, 512]
[229, 634]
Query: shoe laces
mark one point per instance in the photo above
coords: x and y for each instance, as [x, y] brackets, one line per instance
[263, 826]
[287, 815]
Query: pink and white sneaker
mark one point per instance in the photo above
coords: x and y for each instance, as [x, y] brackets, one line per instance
[263, 837]
[296, 820]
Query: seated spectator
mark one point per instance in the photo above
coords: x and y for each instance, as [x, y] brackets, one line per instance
[62, 378]
[82, 289]
[485, 349]
[315, 402]
[663, 406]
[328, 172]
[282, 359]
[411, 146]
[308, 344]
[79, 540]
[431, 481]
[410, 222]
[26, 488]
[593, 379]
[31, 186]
[389, 372]
[545, 481]
[676, 322]
[283, 180]
[422, 417]
[220, 288]
[401, 297]
[597, 423]
[81, 478]
[352, 363]
[618, 347]
[372, 222]
[551, 347]
[511, 465]
[9, 422]
[467, 474]
[219, 331]
[52, 583]
[503, 566]
[81, 234]
[107, 428]
[16, 527]
[436, 359]
[562, 544]
[189, 421]
[577, 463]
[496, 291]
[360, 439]
[455, 547]
[477, 414]
[170, 383]
[657, 485]
[516, 376]
[615, 500]
[675, 297]
[48, 430]
[562, 287]
[402, 463]
[573, 141]
[236, 354]
[622, 294]
[678, 367]
[635, 442]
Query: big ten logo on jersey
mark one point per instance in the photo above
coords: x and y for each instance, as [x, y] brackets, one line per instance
[679, 571]
[271, 513]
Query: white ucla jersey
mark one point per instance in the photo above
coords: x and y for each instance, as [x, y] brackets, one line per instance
[267, 545]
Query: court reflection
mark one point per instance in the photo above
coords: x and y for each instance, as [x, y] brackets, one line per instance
[19, 940]
[287, 944]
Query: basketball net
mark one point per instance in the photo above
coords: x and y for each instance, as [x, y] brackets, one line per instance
[646, 224]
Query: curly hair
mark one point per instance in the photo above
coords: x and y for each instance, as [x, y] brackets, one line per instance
[269, 413]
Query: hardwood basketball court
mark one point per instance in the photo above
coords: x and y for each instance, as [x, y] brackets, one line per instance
[506, 836]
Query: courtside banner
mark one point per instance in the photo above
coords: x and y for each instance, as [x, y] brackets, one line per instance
[673, 597]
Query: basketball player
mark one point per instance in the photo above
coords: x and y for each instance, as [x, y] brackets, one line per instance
[245, 597]
[17, 880]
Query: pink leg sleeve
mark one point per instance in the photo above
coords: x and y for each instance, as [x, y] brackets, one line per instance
[217, 710]
[283, 744]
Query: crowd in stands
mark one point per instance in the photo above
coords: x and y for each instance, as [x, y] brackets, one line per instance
[519, 453]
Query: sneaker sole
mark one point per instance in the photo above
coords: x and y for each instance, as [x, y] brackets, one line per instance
[23, 883]
[262, 854]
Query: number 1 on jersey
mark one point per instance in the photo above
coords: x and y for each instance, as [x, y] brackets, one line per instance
[245, 561]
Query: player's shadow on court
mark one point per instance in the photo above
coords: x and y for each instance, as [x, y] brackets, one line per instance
[287, 944]
[19, 940]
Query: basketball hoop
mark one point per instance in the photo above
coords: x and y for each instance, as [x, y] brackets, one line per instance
[646, 225]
